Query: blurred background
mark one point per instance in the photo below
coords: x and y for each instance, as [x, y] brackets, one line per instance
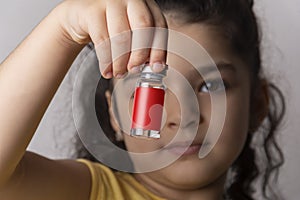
[281, 46]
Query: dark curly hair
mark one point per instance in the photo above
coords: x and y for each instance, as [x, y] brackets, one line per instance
[237, 21]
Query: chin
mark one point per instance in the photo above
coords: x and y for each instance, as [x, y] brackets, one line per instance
[191, 173]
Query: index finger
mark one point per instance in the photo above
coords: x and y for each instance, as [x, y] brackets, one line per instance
[160, 39]
[143, 22]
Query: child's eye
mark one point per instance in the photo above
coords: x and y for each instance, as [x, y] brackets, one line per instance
[213, 86]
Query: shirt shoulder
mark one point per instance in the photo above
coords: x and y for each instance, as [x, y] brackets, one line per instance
[108, 184]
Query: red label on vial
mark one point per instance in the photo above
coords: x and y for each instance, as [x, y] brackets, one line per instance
[147, 108]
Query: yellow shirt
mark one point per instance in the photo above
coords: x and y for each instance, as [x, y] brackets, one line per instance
[110, 185]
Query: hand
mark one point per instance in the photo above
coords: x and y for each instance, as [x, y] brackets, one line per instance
[120, 31]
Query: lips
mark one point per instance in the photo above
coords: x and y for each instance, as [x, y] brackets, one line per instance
[183, 149]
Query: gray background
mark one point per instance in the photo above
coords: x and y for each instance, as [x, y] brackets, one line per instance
[281, 45]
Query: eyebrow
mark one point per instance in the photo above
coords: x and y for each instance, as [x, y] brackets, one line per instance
[202, 70]
[218, 67]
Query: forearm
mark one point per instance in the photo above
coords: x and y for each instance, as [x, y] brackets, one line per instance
[29, 78]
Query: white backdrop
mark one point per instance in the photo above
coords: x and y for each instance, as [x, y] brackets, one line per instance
[281, 42]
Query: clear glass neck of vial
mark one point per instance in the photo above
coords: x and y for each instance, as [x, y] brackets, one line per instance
[151, 80]
[152, 76]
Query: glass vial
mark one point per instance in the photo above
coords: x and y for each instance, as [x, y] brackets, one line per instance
[148, 103]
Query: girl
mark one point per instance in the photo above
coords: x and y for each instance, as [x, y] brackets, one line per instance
[226, 29]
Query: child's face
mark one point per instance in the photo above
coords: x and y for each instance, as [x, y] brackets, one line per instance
[189, 171]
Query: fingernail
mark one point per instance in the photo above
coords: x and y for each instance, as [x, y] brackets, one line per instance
[108, 75]
[157, 67]
[135, 69]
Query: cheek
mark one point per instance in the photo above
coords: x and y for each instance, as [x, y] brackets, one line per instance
[236, 125]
